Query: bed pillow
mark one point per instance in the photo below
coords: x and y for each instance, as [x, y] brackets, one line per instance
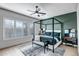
[48, 33]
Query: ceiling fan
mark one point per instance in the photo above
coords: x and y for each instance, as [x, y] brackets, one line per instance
[37, 11]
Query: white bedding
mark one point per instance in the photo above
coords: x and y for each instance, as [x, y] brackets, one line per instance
[50, 46]
[50, 37]
[37, 41]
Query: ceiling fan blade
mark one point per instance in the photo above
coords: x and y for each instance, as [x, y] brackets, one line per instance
[37, 11]
[30, 11]
[41, 13]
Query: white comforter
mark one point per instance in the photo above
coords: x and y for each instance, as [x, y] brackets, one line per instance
[50, 37]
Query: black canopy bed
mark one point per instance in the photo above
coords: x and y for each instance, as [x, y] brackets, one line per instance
[48, 33]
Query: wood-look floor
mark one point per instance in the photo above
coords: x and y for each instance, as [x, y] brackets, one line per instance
[15, 50]
[70, 50]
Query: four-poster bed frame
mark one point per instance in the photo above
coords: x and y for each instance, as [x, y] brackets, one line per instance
[52, 22]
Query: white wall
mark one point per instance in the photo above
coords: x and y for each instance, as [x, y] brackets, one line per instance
[56, 27]
[7, 43]
[1, 28]
[37, 29]
[78, 25]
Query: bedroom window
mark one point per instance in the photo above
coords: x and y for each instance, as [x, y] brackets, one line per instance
[14, 28]
[66, 31]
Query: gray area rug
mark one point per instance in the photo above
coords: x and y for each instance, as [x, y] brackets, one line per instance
[37, 50]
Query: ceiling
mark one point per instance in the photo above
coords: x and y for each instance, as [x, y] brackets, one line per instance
[51, 9]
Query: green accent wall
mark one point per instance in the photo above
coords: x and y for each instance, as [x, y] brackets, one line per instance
[69, 20]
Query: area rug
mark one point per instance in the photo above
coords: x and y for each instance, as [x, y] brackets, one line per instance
[37, 50]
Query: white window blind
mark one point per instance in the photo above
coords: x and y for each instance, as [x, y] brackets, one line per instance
[14, 28]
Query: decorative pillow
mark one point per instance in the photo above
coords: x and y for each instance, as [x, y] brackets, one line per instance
[48, 33]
